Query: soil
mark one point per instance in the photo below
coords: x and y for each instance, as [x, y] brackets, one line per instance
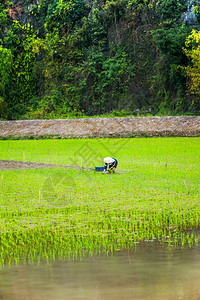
[17, 165]
[188, 126]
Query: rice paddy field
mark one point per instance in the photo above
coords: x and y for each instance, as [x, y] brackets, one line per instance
[72, 212]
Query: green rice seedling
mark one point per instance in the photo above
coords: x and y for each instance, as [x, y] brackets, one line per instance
[71, 212]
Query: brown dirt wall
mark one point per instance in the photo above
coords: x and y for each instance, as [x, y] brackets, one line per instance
[188, 126]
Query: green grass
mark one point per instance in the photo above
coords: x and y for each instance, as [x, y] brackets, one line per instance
[65, 212]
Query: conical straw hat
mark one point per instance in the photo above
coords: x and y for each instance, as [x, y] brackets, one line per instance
[108, 160]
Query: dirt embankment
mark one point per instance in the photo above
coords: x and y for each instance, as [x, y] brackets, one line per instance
[188, 126]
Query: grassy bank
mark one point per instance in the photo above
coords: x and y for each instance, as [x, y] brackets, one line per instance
[49, 212]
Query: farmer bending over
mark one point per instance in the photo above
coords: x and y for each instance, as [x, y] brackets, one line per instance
[111, 163]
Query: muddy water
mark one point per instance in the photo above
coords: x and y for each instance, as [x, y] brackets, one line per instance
[152, 272]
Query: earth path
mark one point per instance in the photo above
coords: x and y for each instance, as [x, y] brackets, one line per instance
[17, 165]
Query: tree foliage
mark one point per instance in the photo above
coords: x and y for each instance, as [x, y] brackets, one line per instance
[192, 51]
[80, 57]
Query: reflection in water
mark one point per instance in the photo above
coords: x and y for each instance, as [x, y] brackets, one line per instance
[152, 272]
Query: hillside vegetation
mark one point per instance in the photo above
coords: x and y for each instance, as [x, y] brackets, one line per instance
[82, 58]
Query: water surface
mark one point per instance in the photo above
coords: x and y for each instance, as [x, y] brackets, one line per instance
[152, 272]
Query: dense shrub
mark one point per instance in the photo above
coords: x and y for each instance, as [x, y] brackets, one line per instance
[61, 58]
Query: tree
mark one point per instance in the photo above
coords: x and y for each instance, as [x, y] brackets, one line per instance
[192, 51]
[6, 60]
[168, 85]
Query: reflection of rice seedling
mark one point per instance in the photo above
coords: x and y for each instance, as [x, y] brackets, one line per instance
[58, 189]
